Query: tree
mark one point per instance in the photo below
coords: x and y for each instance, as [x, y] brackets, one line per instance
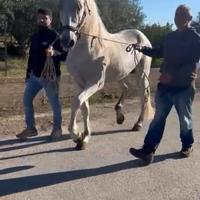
[196, 23]
[118, 14]
[156, 34]
[24, 23]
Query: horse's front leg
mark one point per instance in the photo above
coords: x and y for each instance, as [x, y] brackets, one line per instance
[119, 106]
[73, 128]
[86, 113]
[82, 138]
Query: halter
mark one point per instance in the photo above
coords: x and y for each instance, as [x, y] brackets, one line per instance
[76, 29]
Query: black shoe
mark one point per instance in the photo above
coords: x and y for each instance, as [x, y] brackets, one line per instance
[186, 152]
[143, 154]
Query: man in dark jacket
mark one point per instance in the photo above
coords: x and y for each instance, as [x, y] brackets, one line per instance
[181, 53]
[45, 42]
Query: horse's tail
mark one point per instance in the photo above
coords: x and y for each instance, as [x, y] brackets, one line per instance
[144, 70]
[149, 111]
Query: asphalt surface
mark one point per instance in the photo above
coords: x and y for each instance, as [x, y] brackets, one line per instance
[39, 169]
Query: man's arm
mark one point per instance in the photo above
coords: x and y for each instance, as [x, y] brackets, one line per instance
[152, 51]
[30, 61]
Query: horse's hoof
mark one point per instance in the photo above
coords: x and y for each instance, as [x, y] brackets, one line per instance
[80, 146]
[120, 118]
[136, 127]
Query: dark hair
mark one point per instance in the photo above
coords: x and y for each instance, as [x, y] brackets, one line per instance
[45, 11]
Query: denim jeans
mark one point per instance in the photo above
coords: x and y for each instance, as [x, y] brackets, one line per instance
[165, 98]
[33, 86]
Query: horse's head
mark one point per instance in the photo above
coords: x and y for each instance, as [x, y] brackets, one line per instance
[72, 16]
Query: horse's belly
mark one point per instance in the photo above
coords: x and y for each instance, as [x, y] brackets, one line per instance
[120, 70]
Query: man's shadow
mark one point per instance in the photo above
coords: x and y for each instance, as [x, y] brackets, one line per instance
[21, 184]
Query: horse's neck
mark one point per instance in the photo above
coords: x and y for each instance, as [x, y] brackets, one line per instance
[94, 24]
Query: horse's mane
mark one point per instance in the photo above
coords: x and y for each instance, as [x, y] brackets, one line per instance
[98, 28]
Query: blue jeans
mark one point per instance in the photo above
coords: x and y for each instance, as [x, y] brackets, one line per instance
[165, 98]
[33, 86]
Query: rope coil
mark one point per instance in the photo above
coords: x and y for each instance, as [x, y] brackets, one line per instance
[48, 75]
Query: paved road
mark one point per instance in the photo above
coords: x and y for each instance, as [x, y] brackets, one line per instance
[43, 170]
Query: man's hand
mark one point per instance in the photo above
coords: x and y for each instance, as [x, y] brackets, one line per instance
[50, 51]
[137, 47]
[132, 47]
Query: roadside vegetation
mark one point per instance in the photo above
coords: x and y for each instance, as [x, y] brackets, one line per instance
[17, 24]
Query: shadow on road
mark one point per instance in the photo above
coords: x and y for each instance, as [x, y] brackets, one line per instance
[111, 132]
[35, 141]
[31, 142]
[39, 153]
[21, 184]
[15, 169]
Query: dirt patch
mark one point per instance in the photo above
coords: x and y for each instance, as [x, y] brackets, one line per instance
[11, 106]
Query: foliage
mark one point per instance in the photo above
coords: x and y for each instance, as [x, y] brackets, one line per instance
[118, 15]
[156, 33]
[23, 23]
[196, 23]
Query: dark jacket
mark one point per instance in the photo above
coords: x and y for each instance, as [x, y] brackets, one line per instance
[40, 41]
[181, 52]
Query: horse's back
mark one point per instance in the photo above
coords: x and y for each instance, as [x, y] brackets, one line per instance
[121, 61]
[132, 36]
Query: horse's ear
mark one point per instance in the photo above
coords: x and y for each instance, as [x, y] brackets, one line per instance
[79, 4]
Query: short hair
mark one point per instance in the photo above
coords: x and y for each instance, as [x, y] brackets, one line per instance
[185, 9]
[45, 11]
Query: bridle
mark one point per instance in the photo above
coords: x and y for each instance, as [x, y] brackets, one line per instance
[77, 29]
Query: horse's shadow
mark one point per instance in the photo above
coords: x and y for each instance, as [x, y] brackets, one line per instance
[97, 133]
[30, 142]
[21, 184]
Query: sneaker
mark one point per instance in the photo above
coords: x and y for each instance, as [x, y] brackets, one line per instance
[186, 152]
[56, 134]
[147, 157]
[27, 133]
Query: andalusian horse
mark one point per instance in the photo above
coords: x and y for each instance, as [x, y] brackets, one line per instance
[97, 57]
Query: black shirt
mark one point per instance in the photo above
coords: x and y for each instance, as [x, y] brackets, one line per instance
[181, 52]
[40, 41]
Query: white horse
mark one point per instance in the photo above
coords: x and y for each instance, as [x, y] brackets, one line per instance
[97, 57]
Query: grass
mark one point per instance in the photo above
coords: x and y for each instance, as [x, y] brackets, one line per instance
[16, 68]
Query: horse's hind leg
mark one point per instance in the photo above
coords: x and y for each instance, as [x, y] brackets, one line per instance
[119, 106]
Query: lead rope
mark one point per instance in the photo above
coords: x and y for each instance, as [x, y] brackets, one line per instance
[48, 75]
[131, 49]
